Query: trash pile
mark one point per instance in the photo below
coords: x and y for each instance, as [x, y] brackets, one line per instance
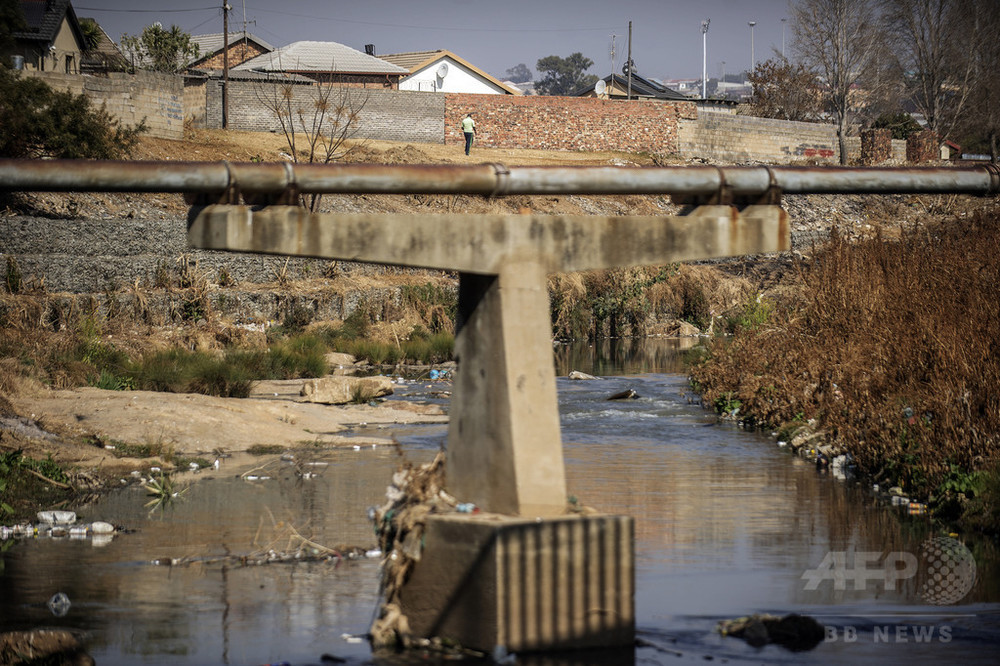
[794, 632]
[399, 525]
[59, 524]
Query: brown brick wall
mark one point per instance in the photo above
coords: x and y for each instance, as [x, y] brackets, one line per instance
[876, 146]
[922, 147]
[239, 53]
[567, 123]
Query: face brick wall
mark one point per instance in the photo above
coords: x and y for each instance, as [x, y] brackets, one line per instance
[567, 123]
[239, 52]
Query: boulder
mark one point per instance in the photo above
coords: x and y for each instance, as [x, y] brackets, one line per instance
[338, 390]
[340, 363]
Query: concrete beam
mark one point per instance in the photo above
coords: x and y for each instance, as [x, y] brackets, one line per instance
[483, 243]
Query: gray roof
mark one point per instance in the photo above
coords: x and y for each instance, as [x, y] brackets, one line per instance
[213, 43]
[245, 75]
[320, 57]
[44, 18]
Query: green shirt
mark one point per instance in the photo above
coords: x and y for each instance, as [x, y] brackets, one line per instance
[468, 124]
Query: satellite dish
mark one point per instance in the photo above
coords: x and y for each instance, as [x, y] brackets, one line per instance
[600, 87]
[442, 70]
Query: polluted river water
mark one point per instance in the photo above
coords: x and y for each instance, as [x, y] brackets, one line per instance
[727, 524]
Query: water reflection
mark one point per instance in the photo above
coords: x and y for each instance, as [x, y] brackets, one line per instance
[726, 525]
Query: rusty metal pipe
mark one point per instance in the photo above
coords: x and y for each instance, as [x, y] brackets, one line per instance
[484, 179]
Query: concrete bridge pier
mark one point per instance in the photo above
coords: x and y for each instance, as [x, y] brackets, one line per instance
[527, 573]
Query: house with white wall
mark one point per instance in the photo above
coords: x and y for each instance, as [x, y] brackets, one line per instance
[443, 71]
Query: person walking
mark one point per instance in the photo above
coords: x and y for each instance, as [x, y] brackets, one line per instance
[469, 129]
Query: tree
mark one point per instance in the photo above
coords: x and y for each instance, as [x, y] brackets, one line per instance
[11, 21]
[935, 43]
[785, 91]
[40, 122]
[518, 73]
[564, 76]
[91, 34]
[325, 115]
[902, 125]
[980, 124]
[160, 50]
[839, 41]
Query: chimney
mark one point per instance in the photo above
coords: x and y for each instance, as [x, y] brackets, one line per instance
[370, 49]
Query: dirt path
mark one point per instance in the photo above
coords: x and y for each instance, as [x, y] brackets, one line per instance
[189, 425]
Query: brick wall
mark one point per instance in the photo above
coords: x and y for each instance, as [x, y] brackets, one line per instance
[194, 101]
[732, 138]
[239, 52]
[391, 115]
[567, 123]
[157, 98]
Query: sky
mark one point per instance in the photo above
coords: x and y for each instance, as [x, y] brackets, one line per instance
[494, 35]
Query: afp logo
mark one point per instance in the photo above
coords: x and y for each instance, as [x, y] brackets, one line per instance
[945, 564]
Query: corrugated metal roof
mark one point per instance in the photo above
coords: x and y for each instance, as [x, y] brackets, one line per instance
[320, 57]
[212, 43]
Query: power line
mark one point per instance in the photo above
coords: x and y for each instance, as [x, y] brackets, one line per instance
[428, 27]
[143, 11]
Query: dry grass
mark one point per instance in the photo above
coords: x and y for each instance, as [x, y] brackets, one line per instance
[891, 347]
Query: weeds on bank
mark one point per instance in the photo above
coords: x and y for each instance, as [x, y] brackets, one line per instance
[16, 469]
[891, 348]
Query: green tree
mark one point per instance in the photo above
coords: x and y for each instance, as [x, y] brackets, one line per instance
[41, 122]
[11, 21]
[518, 73]
[91, 34]
[564, 76]
[902, 125]
[160, 50]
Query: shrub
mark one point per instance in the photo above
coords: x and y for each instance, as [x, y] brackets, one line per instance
[890, 348]
[41, 122]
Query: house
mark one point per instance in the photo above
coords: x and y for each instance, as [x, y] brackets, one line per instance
[53, 40]
[242, 47]
[688, 87]
[103, 58]
[443, 71]
[327, 62]
[616, 86]
[950, 150]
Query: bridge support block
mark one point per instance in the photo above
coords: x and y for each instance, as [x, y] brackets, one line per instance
[504, 446]
[486, 580]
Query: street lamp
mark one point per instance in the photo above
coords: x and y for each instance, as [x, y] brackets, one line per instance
[783, 21]
[704, 57]
[753, 62]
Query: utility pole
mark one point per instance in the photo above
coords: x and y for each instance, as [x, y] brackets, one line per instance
[704, 57]
[783, 22]
[225, 64]
[629, 61]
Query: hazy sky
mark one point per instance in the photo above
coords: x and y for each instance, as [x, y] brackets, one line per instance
[494, 35]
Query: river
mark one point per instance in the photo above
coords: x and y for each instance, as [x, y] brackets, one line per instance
[727, 524]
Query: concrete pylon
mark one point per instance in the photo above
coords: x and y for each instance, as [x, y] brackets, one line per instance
[504, 411]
